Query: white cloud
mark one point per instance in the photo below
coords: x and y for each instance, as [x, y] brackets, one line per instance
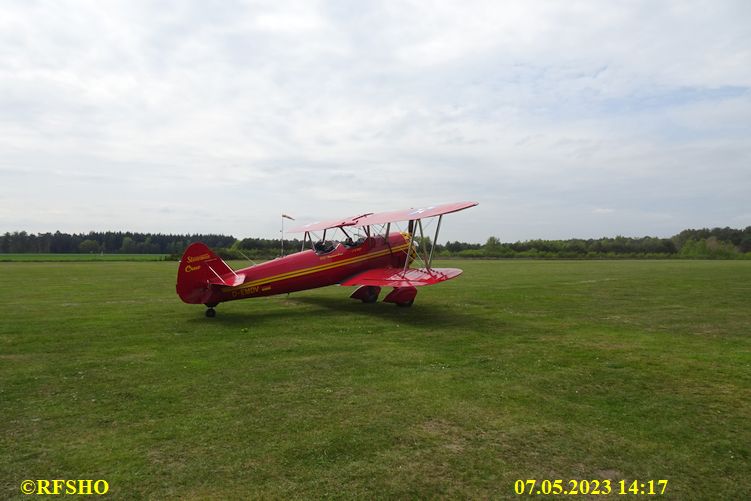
[216, 117]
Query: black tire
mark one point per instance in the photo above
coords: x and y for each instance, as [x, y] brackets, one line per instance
[405, 305]
[211, 313]
[372, 296]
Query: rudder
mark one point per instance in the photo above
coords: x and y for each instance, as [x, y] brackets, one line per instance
[199, 267]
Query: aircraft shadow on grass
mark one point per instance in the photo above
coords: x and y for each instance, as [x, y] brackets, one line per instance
[419, 315]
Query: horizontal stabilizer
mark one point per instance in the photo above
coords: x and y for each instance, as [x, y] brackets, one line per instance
[228, 280]
[396, 277]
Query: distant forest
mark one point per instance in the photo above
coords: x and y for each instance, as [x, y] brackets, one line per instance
[715, 243]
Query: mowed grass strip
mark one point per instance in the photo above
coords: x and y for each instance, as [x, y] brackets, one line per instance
[616, 370]
[66, 257]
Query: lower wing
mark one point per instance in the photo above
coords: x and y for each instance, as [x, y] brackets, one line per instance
[397, 277]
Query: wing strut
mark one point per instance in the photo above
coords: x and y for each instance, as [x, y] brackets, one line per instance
[424, 246]
[435, 240]
[409, 248]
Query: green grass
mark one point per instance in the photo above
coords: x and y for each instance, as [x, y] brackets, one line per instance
[52, 257]
[516, 370]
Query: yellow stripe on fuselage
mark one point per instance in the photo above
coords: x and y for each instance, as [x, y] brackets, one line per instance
[317, 268]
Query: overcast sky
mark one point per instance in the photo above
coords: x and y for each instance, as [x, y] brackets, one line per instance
[562, 119]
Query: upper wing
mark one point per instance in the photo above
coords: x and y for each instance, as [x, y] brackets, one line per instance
[325, 225]
[409, 214]
[386, 217]
[397, 277]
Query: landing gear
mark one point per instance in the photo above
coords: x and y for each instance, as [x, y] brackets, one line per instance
[366, 293]
[403, 297]
[371, 295]
[211, 312]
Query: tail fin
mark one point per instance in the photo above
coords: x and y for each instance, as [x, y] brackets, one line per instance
[199, 268]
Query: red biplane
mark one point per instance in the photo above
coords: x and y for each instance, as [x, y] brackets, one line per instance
[370, 256]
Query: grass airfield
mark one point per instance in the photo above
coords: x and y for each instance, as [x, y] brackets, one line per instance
[621, 370]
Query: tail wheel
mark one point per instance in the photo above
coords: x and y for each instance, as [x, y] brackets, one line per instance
[211, 313]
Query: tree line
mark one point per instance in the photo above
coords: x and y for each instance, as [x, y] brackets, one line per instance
[110, 242]
[717, 243]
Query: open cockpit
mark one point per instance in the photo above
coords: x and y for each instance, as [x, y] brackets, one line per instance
[325, 246]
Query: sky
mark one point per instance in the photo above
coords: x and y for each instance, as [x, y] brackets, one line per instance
[575, 119]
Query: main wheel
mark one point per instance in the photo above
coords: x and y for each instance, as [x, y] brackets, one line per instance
[211, 313]
[405, 305]
[372, 296]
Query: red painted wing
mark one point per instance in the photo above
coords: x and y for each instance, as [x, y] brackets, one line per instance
[325, 225]
[395, 277]
[418, 213]
[385, 217]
